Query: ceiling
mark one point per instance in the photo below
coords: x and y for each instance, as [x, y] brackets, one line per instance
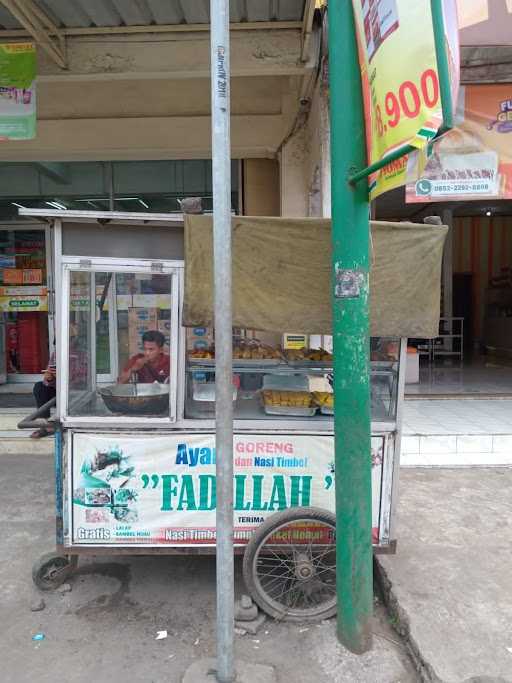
[118, 13]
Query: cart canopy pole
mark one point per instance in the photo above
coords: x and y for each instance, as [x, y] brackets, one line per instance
[221, 170]
[350, 236]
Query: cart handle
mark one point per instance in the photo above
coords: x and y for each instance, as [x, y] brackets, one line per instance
[35, 419]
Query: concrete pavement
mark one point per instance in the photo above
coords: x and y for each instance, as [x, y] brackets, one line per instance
[450, 583]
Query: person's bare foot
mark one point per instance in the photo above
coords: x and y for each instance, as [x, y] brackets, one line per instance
[42, 432]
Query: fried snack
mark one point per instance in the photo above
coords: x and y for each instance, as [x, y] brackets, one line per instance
[296, 354]
[202, 354]
[323, 399]
[254, 351]
[290, 399]
[319, 355]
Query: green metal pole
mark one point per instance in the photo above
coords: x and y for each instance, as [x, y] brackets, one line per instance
[350, 246]
[397, 154]
[443, 69]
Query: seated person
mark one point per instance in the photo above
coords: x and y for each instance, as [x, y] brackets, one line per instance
[153, 365]
[44, 391]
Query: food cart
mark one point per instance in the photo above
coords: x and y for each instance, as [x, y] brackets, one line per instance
[135, 461]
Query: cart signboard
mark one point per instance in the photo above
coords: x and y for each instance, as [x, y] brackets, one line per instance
[401, 89]
[160, 490]
[17, 91]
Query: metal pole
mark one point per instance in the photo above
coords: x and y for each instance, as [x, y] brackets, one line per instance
[111, 190]
[397, 154]
[221, 170]
[350, 245]
[443, 68]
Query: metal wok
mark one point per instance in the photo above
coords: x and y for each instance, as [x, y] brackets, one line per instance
[136, 399]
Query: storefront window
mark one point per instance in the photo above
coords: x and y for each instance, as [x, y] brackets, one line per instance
[24, 300]
[120, 324]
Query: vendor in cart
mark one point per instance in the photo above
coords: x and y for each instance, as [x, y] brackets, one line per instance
[153, 365]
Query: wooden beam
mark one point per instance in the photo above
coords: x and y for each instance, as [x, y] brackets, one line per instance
[162, 28]
[144, 138]
[263, 53]
[307, 28]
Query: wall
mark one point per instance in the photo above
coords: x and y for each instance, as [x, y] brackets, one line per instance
[149, 98]
[485, 22]
[293, 175]
[481, 246]
[319, 158]
[305, 159]
[261, 187]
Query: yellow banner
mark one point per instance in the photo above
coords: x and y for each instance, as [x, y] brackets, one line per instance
[400, 81]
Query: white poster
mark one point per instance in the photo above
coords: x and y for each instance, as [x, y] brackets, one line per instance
[160, 490]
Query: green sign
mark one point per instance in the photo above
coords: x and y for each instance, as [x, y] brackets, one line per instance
[17, 91]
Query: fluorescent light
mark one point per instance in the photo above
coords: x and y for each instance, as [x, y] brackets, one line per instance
[133, 199]
[20, 206]
[92, 199]
[57, 205]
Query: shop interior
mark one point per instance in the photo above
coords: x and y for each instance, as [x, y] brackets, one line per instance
[473, 354]
[27, 318]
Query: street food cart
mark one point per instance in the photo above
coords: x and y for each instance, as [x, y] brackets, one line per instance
[135, 461]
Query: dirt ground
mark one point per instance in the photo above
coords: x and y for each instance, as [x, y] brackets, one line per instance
[105, 628]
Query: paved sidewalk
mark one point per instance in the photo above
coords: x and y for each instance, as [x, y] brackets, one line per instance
[451, 579]
[457, 433]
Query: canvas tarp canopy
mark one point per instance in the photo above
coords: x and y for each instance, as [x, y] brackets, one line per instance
[282, 275]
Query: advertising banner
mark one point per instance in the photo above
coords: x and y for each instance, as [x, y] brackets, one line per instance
[400, 81]
[474, 160]
[160, 490]
[17, 91]
[23, 304]
[80, 300]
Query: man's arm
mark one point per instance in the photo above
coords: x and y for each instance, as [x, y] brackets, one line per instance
[134, 364]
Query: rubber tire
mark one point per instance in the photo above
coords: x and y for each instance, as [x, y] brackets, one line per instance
[41, 566]
[276, 520]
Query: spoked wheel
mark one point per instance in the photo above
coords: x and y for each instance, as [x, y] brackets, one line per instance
[51, 570]
[290, 565]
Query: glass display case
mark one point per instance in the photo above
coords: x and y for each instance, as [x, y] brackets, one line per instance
[126, 359]
[270, 383]
[121, 326]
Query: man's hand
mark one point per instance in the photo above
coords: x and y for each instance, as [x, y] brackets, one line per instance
[49, 375]
[139, 364]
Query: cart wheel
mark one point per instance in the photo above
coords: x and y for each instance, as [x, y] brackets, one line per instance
[290, 565]
[51, 570]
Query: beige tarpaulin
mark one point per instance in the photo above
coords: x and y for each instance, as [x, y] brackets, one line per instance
[282, 275]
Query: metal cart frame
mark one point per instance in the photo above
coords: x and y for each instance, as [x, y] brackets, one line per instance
[389, 431]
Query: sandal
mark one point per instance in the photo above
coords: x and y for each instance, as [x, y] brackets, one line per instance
[41, 433]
